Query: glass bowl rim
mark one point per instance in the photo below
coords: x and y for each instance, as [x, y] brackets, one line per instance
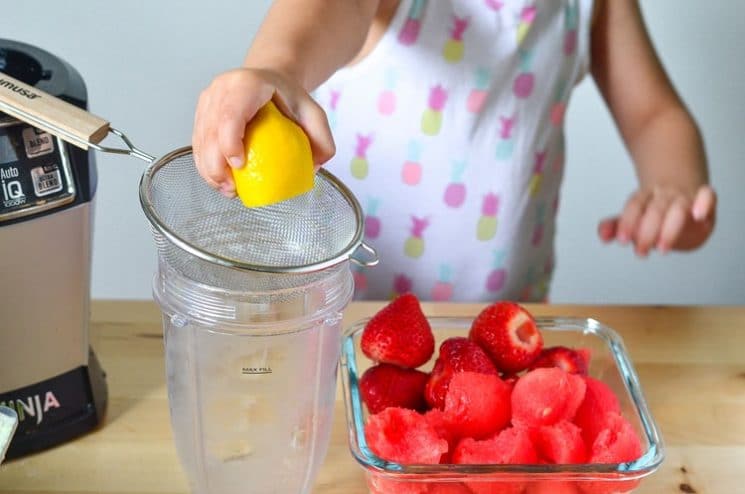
[646, 464]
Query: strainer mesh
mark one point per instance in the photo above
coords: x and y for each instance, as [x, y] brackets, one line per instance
[316, 227]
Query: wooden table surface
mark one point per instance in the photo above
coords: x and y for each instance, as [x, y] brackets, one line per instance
[691, 363]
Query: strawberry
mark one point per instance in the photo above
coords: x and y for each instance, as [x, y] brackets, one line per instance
[399, 334]
[457, 354]
[386, 385]
[508, 334]
[585, 354]
[567, 359]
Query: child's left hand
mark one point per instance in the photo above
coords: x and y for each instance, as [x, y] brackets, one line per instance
[663, 218]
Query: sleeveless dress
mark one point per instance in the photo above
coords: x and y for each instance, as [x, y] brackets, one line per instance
[450, 134]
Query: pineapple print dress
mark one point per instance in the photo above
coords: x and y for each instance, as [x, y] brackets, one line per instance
[450, 134]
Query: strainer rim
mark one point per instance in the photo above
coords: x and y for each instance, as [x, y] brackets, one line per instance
[149, 209]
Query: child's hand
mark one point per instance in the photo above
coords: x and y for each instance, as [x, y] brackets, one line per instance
[230, 102]
[663, 219]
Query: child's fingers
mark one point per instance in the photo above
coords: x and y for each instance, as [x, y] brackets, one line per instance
[632, 214]
[314, 122]
[214, 168]
[673, 224]
[299, 106]
[704, 204]
[650, 224]
[607, 229]
[243, 95]
[230, 134]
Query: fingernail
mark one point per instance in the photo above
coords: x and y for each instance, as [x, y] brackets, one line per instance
[698, 214]
[663, 248]
[623, 237]
[227, 191]
[235, 161]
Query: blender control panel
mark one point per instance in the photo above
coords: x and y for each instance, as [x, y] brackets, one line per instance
[34, 172]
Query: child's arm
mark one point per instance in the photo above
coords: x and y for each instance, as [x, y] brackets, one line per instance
[299, 45]
[674, 207]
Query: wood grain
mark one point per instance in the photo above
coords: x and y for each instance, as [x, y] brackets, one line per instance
[51, 113]
[691, 362]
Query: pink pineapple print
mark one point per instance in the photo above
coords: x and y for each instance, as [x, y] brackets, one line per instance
[387, 98]
[477, 96]
[432, 117]
[372, 221]
[410, 31]
[414, 245]
[534, 186]
[360, 167]
[539, 221]
[558, 108]
[401, 284]
[506, 142]
[455, 192]
[525, 80]
[454, 47]
[333, 103]
[443, 289]
[487, 225]
[495, 5]
[571, 21]
[359, 277]
[498, 276]
[411, 171]
[527, 16]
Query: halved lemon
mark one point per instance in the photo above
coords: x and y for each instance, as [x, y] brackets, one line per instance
[278, 161]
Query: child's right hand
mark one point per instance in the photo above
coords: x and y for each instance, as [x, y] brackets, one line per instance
[230, 102]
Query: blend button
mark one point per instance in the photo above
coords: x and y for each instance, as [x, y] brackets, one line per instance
[37, 142]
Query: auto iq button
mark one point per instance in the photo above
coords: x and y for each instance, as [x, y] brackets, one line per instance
[11, 188]
[46, 179]
[37, 142]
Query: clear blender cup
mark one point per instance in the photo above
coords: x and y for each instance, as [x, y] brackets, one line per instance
[252, 379]
[252, 302]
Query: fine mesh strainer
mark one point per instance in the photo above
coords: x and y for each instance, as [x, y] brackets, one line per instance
[302, 235]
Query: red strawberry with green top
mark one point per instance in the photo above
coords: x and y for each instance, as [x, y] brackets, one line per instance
[386, 385]
[567, 359]
[399, 334]
[457, 354]
[508, 334]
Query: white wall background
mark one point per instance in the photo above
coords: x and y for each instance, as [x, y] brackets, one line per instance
[146, 61]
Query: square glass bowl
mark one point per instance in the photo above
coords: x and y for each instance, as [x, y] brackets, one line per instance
[609, 363]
